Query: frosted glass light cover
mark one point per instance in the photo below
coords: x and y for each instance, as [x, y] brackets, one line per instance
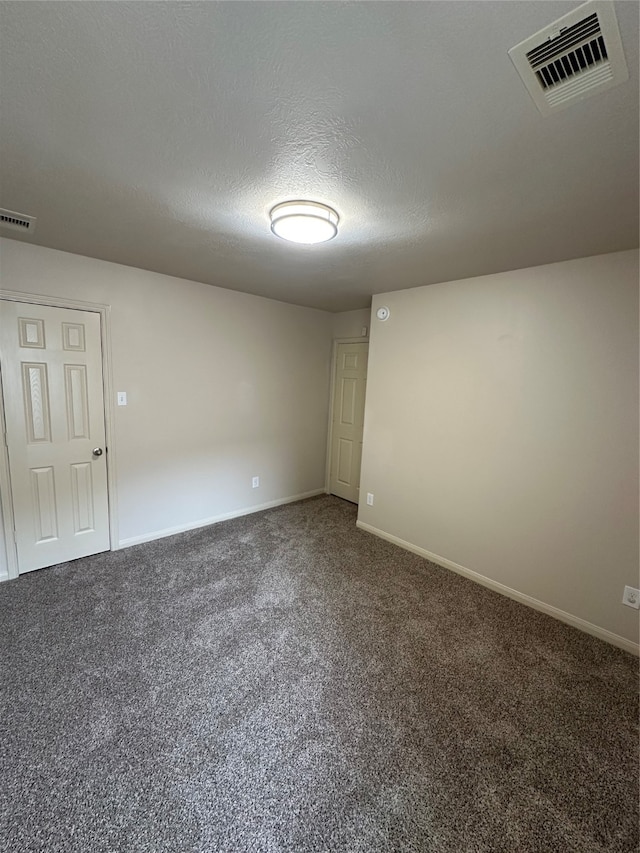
[304, 222]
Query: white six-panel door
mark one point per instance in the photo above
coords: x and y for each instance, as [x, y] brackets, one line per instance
[54, 410]
[350, 382]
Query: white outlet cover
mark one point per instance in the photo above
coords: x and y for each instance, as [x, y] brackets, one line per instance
[631, 597]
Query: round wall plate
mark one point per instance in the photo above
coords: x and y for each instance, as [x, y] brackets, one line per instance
[382, 313]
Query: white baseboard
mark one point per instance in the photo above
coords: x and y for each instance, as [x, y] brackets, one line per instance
[4, 576]
[550, 610]
[205, 522]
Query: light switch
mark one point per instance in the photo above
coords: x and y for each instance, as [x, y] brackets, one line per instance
[122, 398]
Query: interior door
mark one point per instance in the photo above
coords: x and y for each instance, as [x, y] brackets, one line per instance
[350, 384]
[54, 410]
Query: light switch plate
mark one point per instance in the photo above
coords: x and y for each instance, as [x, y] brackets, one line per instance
[122, 398]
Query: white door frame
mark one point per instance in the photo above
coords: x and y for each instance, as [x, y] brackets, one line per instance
[332, 386]
[107, 381]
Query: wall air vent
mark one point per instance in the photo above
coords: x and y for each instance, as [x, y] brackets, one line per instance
[573, 58]
[17, 221]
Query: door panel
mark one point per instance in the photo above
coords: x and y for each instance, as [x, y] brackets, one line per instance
[347, 420]
[345, 471]
[54, 409]
[76, 393]
[82, 494]
[35, 394]
[348, 401]
[44, 504]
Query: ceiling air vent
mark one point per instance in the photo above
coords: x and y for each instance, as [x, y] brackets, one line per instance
[573, 58]
[17, 221]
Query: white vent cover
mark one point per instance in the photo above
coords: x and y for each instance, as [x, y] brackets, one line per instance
[17, 221]
[573, 58]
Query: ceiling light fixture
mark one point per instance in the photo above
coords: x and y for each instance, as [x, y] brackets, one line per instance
[304, 221]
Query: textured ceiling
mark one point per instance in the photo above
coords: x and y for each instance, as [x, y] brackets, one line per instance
[159, 135]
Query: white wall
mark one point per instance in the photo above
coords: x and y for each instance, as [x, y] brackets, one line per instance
[221, 386]
[351, 324]
[501, 431]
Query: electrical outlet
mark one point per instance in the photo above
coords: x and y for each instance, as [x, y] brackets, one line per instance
[255, 482]
[631, 597]
[369, 499]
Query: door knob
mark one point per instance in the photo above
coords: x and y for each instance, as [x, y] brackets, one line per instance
[97, 451]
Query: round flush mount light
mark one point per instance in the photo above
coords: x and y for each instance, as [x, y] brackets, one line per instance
[304, 221]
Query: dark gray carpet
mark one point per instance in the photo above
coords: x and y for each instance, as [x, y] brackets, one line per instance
[285, 682]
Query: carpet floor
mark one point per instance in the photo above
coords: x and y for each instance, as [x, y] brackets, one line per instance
[286, 682]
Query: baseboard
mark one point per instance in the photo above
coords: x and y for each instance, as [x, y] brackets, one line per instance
[562, 615]
[4, 576]
[205, 522]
